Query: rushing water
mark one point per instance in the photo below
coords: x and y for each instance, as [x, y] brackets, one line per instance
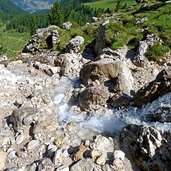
[113, 120]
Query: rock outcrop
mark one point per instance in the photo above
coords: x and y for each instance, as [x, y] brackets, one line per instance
[75, 44]
[143, 46]
[160, 86]
[149, 147]
[45, 38]
[100, 42]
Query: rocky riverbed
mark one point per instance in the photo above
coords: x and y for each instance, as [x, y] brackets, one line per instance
[62, 112]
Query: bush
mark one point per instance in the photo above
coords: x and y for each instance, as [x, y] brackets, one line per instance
[157, 51]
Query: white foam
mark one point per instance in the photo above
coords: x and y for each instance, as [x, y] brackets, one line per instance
[111, 120]
[58, 98]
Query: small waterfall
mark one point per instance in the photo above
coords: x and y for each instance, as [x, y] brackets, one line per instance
[112, 120]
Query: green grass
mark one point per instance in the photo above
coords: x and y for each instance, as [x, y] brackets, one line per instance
[111, 4]
[12, 41]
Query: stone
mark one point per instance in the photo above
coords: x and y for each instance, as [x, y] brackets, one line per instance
[3, 58]
[143, 46]
[118, 164]
[85, 164]
[75, 44]
[100, 42]
[12, 154]
[148, 146]
[150, 92]
[70, 64]
[120, 99]
[23, 117]
[101, 160]
[95, 19]
[119, 154]
[3, 158]
[116, 75]
[95, 153]
[32, 145]
[62, 168]
[67, 25]
[45, 164]
[142, 20]
[93, 98]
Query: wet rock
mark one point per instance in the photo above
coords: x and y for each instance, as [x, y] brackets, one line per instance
[45, 164]
[75, 44]
[85, 164]
[93, 98]
[120, 99]
[3, 158]
[159, 87]
[149, 147]
[162, 114]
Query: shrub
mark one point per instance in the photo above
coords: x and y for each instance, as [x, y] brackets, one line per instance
[157, 51]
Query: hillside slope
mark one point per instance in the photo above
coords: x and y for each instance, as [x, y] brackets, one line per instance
[8, 7]
[33, 6]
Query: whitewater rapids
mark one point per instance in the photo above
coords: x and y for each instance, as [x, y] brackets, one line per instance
[111, 121]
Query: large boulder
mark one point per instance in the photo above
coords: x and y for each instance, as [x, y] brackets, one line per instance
[114, 74]
[93, 98]
[70, 64]
[160, 86]
[75, 44]
[45, 38]
[150, 148]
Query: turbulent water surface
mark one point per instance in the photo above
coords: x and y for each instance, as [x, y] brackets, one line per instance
[113, 120]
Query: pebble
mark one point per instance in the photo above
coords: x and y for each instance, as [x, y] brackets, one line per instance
[33, 144]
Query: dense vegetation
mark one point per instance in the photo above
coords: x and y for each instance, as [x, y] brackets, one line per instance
[7, 7]
[66, 10]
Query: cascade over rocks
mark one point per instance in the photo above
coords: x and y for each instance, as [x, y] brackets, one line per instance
[160, 86]
[149, 147]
